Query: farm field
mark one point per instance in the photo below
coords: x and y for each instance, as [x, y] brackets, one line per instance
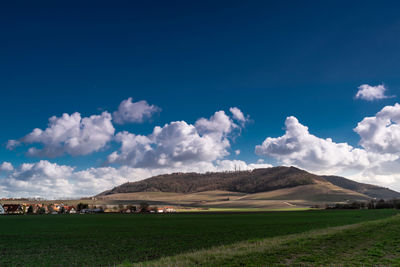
[299, 196]
[109, 239]
[371, 243]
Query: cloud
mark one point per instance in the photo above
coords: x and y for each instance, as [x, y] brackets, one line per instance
[133, 149]
[370, 93]
[231, 165]
[137, 112]
[175, 147]
[177, 143]
[71, 134]
[11, 144]
[43, 179]
[237, 152]
[237, 114]
[50, 180]
[219, 125]
[381, 133]
[6, 166]
[298, 147]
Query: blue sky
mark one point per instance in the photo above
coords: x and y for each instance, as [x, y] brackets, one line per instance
[270, 59]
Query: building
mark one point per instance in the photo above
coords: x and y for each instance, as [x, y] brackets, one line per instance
[2, 210]
[169, 209]
[56, 207]
[160, 210]
[13, 209]
[70, 209]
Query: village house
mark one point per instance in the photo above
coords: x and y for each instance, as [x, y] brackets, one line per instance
[13, 209]
[31, 208]
[165, 210]
[169, 209]
[56, 207]
[40, 208]
[70, 209]
[160, 210]
[126, 211]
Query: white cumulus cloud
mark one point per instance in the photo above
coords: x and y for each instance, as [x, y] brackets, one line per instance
[11, 144]
[237, 114]
[298, 147]
[51, 180]
[43, 179]
[6, 166]
[71, 134]
[129, 112]
[369, 93]
[175, 147]
[381, 133]
[219, 124]
[177, 143]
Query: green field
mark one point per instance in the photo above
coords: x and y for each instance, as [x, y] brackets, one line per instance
[371, 243]
[109, 239]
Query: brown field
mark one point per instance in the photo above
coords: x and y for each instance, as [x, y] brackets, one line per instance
[295, 197]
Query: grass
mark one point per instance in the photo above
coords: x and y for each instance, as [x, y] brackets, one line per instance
[109, 239]
[374, 243]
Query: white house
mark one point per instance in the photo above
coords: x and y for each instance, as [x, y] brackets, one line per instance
[2, 210]
[169, 209]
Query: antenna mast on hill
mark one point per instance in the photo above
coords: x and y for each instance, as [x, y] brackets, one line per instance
[237, 168]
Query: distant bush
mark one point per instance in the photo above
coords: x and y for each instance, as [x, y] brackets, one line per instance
[144, 207]
[354, 205]
[121, 208]
[372, 204]
[155, 209]
[41, 210]
[30, 210]
[132, 208]
[82, 206]
[62, 210]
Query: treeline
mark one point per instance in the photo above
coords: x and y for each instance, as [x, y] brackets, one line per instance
[372, 204]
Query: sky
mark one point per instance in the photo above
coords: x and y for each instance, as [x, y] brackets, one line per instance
[96, 94]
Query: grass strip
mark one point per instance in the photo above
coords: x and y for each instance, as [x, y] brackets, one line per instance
[361, 244]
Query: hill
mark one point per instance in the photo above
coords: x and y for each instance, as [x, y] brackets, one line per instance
[258, 180]
[277, 187]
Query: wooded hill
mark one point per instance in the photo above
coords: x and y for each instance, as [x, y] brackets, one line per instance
[252, 182]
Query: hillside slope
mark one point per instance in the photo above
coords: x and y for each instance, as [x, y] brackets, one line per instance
[258, 180]
[319, 192]
[367, 189]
